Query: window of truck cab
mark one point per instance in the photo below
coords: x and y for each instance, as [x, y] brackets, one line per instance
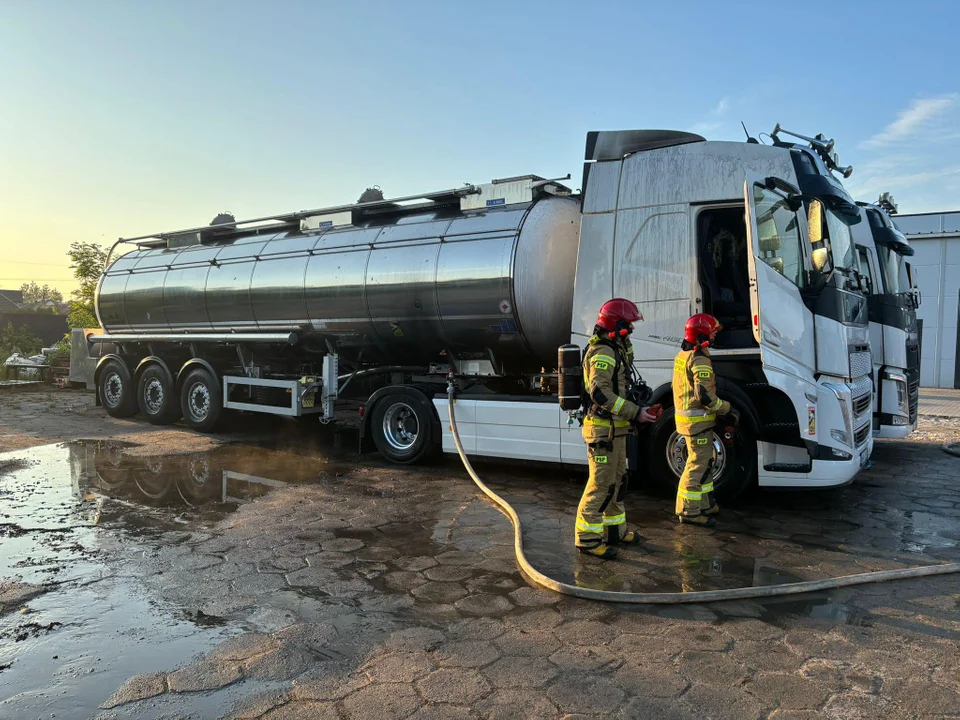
[780, 244]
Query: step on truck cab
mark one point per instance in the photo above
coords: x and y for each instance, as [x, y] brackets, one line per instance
[892, 301]
[381, 301]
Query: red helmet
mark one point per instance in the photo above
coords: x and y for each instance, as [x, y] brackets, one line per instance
[616, 316]
[701, 329]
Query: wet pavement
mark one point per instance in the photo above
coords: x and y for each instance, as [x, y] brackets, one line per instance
[296, 579]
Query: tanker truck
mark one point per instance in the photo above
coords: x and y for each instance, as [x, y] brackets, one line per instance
[383, 300]
[892, 305]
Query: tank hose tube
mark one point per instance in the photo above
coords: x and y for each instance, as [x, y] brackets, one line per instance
[671, 598]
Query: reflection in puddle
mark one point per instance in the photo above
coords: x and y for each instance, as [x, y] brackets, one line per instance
[212, 481]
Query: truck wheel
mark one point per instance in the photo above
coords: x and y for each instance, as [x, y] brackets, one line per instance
[157, 396]
[117, 393]
[200, 400]
[401, 428]
[735, 465]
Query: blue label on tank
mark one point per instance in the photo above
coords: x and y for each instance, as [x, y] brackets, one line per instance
[504, 326]
[498, 201]
[325, 223]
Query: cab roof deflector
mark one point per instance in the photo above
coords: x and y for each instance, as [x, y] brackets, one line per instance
[615, 144]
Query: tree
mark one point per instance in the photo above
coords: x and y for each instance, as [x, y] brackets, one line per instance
[33, 293]
[87, 260]
[21, 340]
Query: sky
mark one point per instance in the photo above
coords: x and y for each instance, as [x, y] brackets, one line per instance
[121, 118]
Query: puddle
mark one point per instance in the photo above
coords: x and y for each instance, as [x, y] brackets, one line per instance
[65, 513]
[816, 606]
[72, 646]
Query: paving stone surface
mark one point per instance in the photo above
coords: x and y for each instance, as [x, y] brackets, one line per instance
[347, 588]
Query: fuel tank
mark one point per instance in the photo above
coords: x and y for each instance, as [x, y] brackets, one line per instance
[494, 280]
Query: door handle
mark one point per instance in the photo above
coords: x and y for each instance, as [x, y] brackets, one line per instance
[772, 336]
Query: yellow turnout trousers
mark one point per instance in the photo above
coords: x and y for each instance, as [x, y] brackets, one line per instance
[695, 492]
[601, 505]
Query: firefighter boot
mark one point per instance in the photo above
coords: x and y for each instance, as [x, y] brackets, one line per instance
[628, 537]
[604, 552]
[698, 519]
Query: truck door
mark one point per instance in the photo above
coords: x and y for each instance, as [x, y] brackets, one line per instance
[870, 267]
[777, 263]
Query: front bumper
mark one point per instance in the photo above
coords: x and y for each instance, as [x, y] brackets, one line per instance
[823, 474]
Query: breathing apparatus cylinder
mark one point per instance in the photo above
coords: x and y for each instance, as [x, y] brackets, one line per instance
[570, 380]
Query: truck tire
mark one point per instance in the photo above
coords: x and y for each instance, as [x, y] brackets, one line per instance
[401, 428]
[117, 392]
[201, 401]
[157, 396]
[736, 464]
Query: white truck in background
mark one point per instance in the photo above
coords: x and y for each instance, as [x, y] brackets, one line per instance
[383, 300]
[892, 301]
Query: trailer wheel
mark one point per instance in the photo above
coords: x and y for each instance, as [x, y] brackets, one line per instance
[117, 392]
[401, 428]
[735, 465]
[200, 400]
[157, 396]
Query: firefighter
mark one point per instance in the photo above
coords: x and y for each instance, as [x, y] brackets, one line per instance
[608, 377]
[697, 407]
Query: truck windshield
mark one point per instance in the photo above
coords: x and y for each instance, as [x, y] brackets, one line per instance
[893, 269]
[841, 242]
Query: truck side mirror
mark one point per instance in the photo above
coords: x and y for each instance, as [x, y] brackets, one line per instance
[815, 221]
[821, 260]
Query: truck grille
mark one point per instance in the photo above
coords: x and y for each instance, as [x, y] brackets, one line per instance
[861, 388]
[913, 355]
[861, 363]
[862, 404]
[861, 435]
[913, 392]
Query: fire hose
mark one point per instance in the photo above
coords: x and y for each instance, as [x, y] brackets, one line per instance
[951, 449]
[672, 598]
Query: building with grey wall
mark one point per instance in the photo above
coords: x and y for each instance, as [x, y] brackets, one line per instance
[936, 267]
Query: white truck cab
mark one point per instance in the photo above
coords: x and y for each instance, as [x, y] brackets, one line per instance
[893, 300]
[758, 236]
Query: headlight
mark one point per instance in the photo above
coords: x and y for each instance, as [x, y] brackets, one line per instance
[903, 400]
[843, 436]
[902, 403]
